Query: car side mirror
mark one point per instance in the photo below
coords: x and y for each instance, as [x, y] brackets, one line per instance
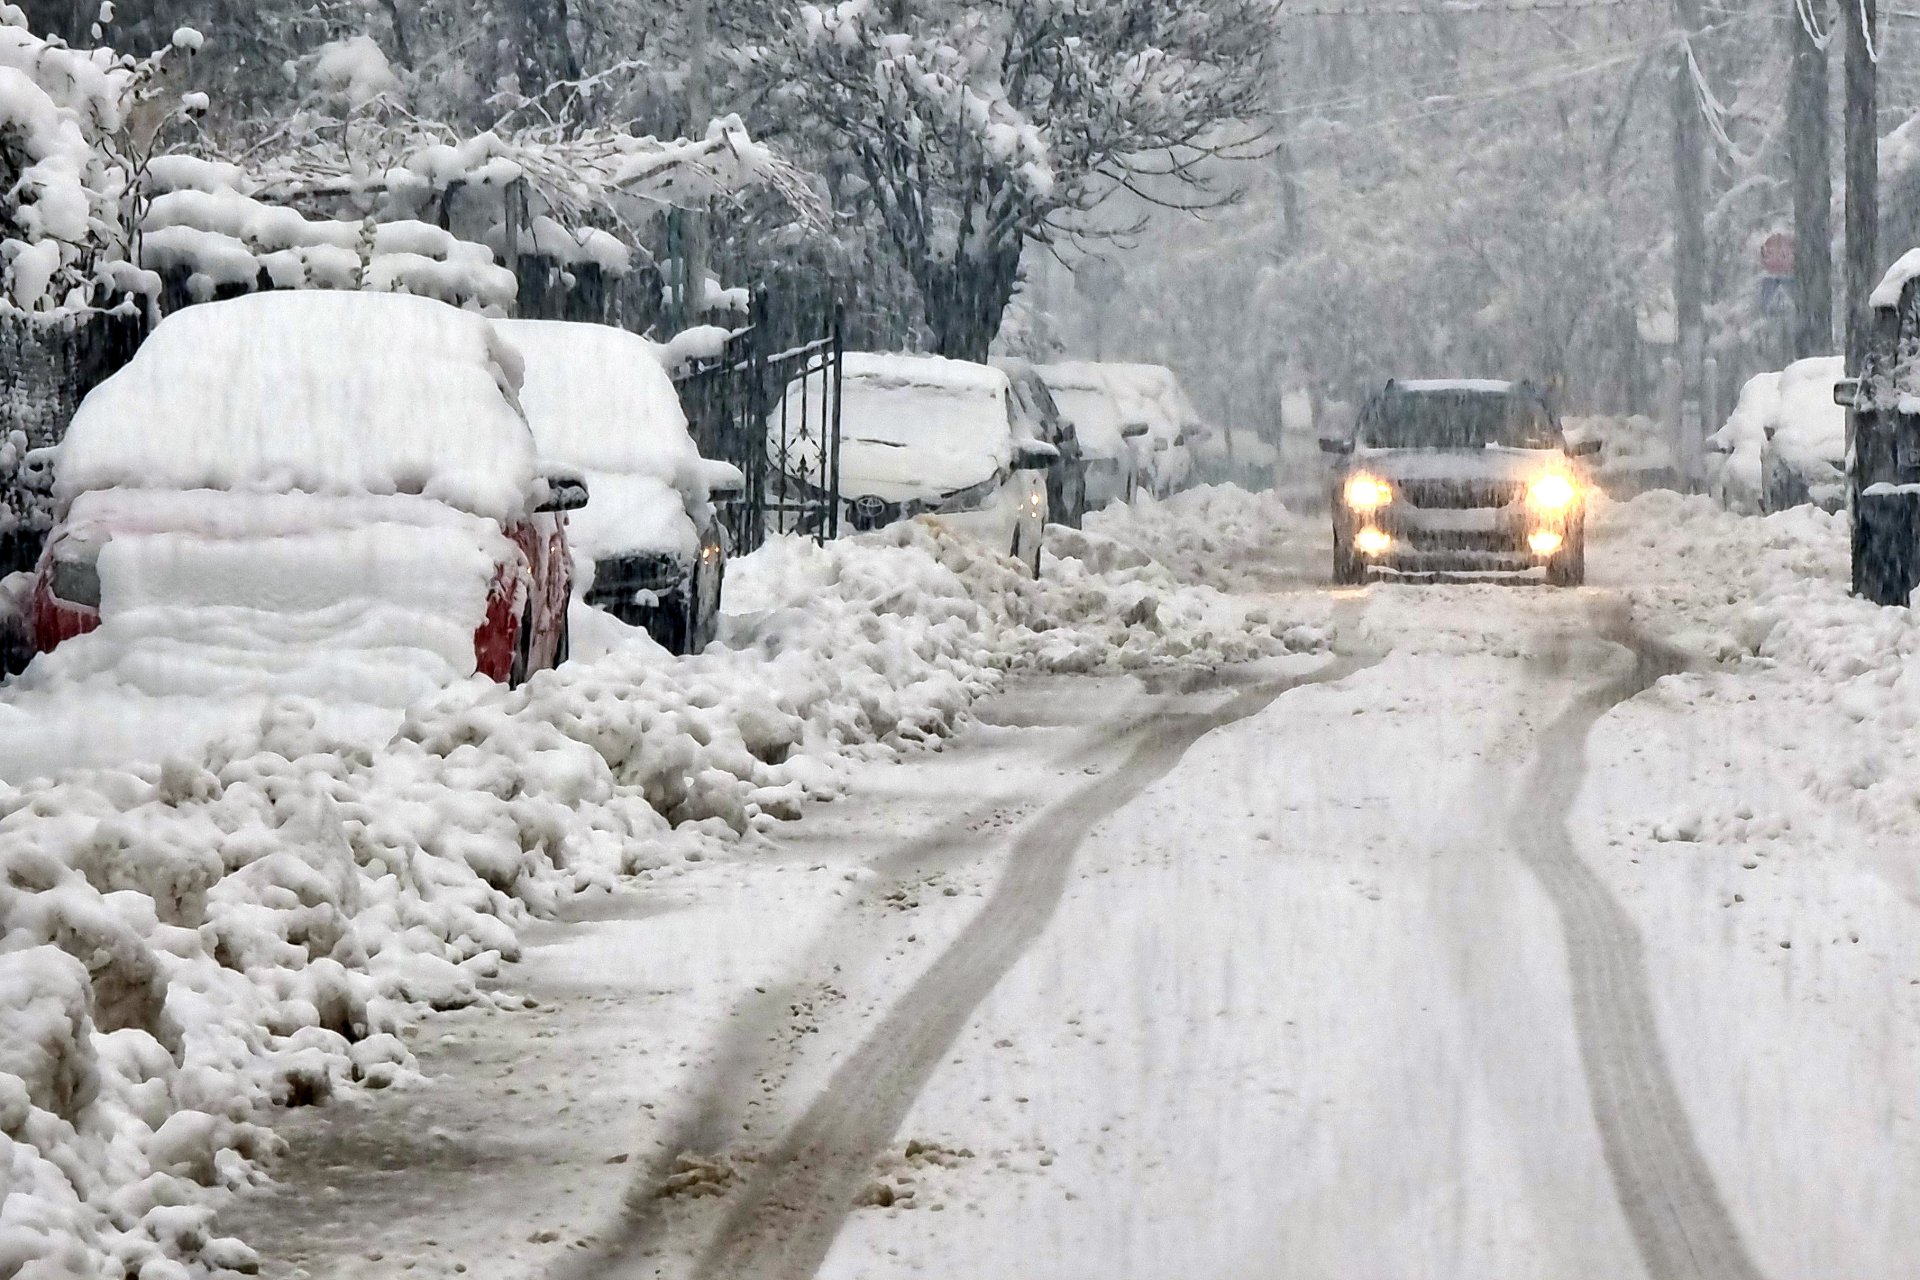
[1033, 455]
[1133, 431]
[565, 492]
[1846, 392]
[1583, 448]
[1335, 444]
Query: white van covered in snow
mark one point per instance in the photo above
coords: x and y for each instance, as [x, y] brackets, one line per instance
[1111, 438]
[649, 549]
[927, 436]
[1785, 443]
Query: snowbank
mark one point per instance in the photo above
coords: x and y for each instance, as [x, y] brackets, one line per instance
[189, 945]
[331, 393]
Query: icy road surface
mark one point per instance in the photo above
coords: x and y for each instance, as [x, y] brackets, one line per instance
[1474, 949]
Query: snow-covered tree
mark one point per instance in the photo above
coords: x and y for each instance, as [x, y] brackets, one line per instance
[76, 126]
[978, 128]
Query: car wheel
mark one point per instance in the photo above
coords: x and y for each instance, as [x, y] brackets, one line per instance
[1349, 570]
[1884, 547]
[1569, 568]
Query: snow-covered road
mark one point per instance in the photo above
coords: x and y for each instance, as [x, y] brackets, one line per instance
[1527, 934]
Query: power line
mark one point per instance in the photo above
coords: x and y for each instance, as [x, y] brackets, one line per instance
[1467, 8]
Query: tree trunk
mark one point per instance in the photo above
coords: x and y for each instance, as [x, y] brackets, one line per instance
[543, 56]
[1689, 237]
[1863, 173]
[965, 300]
[1812, 188]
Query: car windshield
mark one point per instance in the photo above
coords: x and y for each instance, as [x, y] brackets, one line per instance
[1457, 420]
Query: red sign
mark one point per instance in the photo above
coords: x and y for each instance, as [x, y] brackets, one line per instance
[1776, 254]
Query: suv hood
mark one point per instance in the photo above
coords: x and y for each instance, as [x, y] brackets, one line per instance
[1491, 463]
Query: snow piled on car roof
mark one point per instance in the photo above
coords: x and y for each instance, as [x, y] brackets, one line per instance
[1483, 386]
[322, 392]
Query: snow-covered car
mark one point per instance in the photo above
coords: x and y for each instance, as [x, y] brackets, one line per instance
[1151, 393]
[1785, 442]
[1116, 464]
[928, 436]
[1041, 419]
[1458, 476]
[345, 471]
[649, 549]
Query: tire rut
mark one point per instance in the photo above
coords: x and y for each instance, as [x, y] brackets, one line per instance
[789, 1212]
[1673, 1207]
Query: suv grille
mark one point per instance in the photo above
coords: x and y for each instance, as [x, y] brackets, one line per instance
[1460, 494]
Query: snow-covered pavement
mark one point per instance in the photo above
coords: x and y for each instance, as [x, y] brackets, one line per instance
[1492, 933]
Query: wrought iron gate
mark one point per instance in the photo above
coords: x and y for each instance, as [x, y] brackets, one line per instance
[776, 417]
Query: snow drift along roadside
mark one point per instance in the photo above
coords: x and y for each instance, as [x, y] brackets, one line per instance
[185, 947]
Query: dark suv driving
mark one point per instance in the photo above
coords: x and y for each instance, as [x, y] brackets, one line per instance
[1458, 477]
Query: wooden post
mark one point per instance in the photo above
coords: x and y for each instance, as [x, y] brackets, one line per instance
[1812, 181]
[1863, 172]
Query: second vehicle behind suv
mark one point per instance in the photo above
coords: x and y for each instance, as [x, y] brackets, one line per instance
[1458, 476]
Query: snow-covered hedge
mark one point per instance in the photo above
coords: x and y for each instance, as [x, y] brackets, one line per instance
[185, 947]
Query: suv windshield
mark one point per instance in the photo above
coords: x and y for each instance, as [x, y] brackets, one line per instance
[1457, 420]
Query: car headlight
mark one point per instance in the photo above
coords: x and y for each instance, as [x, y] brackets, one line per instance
[1365, 493]
[1552, 493]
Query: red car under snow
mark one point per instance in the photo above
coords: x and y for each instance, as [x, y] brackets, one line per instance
[314, 470]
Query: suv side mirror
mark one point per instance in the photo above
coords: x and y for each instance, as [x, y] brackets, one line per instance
[1335, 444]
[1846, 392]
[1033, 455]
[565, 491]
[1583, 448]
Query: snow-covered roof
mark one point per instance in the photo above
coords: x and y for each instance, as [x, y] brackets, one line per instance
[916, 426]
[1886, 295]
[1084, 394]
[1483, 386]
[333, 393]
[599, 399]
[205, 220]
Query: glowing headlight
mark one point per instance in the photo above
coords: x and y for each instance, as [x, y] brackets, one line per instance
[1364, 493]
[1551, 493]
[1544, 542]
[1372, 542]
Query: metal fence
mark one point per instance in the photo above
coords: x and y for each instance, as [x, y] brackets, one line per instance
[776, 416]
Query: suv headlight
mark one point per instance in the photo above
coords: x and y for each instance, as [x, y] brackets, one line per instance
[1367, 493]
[1552, 494]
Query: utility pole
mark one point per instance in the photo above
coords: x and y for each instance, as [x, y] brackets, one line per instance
[1812, 178]
[1858, 18]
[1689, 241]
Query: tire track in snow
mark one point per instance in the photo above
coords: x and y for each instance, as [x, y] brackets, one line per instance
[1673, 1207]
[786, 1217]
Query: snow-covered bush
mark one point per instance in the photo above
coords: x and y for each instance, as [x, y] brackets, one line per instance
[74, 127]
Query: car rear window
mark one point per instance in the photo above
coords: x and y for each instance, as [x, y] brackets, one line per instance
[1457, 420]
